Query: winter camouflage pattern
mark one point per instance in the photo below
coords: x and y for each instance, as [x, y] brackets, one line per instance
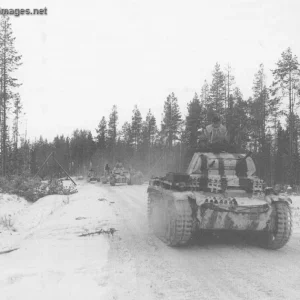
[119, 175]
[219, 192]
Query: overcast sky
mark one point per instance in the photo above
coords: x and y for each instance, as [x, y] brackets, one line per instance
[85, 56]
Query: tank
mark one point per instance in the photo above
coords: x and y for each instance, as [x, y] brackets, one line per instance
[137, 177]
[119, 176]
[218, 192]
[92, 176]
[105, 178]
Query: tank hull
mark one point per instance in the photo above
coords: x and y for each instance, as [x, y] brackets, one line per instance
[209, 213]
[117, 178]
[216, 220]
[191, 212]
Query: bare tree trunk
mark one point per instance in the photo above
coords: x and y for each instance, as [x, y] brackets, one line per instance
[4, 118]
[291, 130]
[4, 100]
[1, 119]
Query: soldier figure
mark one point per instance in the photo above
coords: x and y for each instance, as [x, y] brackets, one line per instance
[215, 137]
[216, 132]
[106, 169]
[119, 165]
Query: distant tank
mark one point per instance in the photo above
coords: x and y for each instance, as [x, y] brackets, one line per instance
[218, 192]
[105, 178]
[119, 175]
[137, 177]
[92, 176]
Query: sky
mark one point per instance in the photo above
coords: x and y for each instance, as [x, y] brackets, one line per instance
[83, 57]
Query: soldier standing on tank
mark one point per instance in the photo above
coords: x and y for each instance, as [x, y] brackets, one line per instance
[215, 136]
[216, 132]
[119, 165]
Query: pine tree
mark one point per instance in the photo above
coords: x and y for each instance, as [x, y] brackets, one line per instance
[286, 83]
[59, 144]
[15, 130]
[260, 112]
[9, 62]
[238, 122]
[82, 147]
[150, 125]
[126, 134]
[102, 134]
[136, 127]
[258, 116]
[112, 132]
[149, 132]
[204, 96]
[17, 111]
[282, 155]
[205, 102]
[68, 155]
[24, 154]
[194, 121]
[171, 120]
[217, 90]
[127, 141]
[229, 82]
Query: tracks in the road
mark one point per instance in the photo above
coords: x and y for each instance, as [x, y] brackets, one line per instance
[212, 271]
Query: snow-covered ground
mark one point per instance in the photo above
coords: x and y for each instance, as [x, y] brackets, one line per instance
[56, 258]
[52, 260]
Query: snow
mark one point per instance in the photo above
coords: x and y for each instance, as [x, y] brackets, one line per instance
[52, 260]
[9, 206]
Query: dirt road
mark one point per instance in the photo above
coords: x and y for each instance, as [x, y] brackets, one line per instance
[142, 267]
[54, 262]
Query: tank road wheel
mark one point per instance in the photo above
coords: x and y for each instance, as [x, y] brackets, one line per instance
[112, 181]
[282, 220]
[171, 222]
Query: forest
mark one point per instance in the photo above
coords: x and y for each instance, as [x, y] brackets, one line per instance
[267, 123]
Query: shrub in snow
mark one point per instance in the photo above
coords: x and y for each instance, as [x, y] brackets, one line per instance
[33, 189]
[7, 222]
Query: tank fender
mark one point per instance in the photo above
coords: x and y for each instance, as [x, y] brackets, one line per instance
[153, 189]
[277, 198]
[177, 196]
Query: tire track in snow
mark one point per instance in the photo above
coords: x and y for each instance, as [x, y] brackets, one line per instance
[218, 271]
[173, 284]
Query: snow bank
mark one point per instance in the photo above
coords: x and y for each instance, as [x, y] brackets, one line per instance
[52, 260]
[11, 206]
[18, 217]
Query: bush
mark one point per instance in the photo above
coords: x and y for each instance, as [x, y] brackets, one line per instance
[7, 222]
[33, 189]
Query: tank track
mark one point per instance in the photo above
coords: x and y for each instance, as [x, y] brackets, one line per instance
[283, 226]
[149, 211]
[171, 221]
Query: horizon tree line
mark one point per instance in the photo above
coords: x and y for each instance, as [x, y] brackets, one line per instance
[260, 123]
